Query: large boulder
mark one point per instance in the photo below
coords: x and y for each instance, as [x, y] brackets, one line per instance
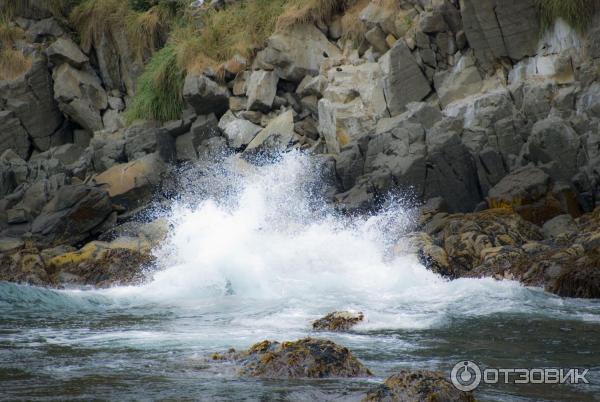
[553, 140]
[352, 103]
[275, 137]
[261, 90]
[404, 81]
[531, 193]
[304, 358]
[462, 81]
[72, 215]
[204, 95]
[239, 132]
[417, 386]
[501, 28]
[13, 135]
[64, 50]
[33, 92]
[298, 51]
[133, 184]
[81, 96]
[118, 263]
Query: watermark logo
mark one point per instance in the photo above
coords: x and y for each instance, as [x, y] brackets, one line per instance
[467, 375]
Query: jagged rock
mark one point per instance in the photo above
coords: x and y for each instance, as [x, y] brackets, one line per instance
[107, 150]
[497, 29]
[404, 81]
[275, 137]
[81, 96]
[553, 140]
[43, 30]
[305, 358]
[432, 256]
[112, 120]
[338, 321]
[417, 386]
[13, 135]
[376, 37]
[312, 86]
[261, 89]
[132, 184]
[64, 50]
[239, 132]
[465, 236]
[203, 129]
[529, 191]
[298, 51]
[33, 92]
[144, 139]
[72, 215]
[205, 95]
[464, 80]
[121, 262]
[559, 226]
[349, 165]
[352, 103]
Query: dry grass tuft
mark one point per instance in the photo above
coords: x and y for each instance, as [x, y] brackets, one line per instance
[311, 11]
[13, 63]
[146, 31]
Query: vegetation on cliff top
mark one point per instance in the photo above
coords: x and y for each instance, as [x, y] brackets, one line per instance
[577, 13]
[13, 62]
[210, 38]
[159, 89]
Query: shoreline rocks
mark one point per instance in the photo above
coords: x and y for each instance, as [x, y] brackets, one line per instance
[304, 358]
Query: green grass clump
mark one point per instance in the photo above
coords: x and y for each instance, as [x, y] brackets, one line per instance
[159, 90]
[577, 13]
[213, 38]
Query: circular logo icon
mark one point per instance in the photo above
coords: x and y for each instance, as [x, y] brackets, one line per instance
[466, 375]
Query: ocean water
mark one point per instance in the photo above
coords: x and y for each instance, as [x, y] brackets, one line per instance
[255, 253]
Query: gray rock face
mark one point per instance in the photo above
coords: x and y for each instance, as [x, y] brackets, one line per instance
[81, 96]
[239, 132]
[525, 184]
[71, 216]
[560, 225]
[275, 137]
[204, 95]
[404, 81]
[262, 87]
[13, 135]
[64, 50]
[141, 140]
[553, 140]
[297, 52]
[501, 28]
[33, 92]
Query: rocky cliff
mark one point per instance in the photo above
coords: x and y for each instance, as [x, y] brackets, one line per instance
[472, 104]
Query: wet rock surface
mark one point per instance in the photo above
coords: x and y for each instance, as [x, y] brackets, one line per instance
[338, 321]
[417, 386]
[304, 358]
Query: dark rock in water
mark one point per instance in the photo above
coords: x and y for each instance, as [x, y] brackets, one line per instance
[338, 321]
[417, 386]
[305, 358]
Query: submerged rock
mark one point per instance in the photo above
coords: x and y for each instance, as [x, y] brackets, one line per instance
[417, 386]
[338, 321]
[304, 358]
